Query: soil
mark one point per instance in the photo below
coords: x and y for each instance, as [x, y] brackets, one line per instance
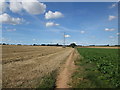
[64, 77]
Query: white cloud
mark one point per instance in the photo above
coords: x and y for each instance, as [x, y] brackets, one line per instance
[3, 6]
[15, 6]
[111, 37]
[31, 6]
[49, 24]
[111, 17]
[53, 15]
[82, 32]
[34, 39]
[113, 5]
[67, 36]
[118, 33]
[2, 0]
[4, 39]
[10, 30]
[93, 36]
[27, 22]
[109, 29]
[6, 19]
[34, 7]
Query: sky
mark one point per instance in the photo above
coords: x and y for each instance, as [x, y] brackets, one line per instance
[84, 23]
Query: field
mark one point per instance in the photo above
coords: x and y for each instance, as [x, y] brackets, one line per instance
[57, 67]
[26, 66]
[109, 47]
[97, 68]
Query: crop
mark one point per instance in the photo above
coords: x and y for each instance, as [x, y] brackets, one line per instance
[97, 68]
[106, 62]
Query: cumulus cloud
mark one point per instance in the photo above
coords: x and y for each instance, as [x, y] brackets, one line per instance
[34, 39]
[118, 33]
[31, 6]
[109, 29]
[15, 6]
[6, 19]
[82, 32]
[3, 6]
[111, 37]
[34, 7]
[53, 15]
[67, 36]
[10, 30]
[49, 24]
[111, 17]
[113, 5]
[4, 39]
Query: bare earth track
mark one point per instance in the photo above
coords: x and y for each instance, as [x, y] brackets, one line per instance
[64, 77]
[23, 66]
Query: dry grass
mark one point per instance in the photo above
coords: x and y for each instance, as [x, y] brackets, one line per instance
[24, 66]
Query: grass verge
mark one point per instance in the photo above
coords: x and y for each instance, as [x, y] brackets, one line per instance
[48, 81]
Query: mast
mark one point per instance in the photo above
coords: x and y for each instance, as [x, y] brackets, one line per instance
[64, 40]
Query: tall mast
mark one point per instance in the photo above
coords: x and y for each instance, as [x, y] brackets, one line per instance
[64, 39]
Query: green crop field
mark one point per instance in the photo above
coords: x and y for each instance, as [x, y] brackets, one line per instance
[97, 68]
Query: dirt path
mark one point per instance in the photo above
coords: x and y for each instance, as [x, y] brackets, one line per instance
[66, 71]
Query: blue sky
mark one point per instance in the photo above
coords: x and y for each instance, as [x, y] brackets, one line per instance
[84, 23]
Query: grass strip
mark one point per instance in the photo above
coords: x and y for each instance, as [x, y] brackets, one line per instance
[48, 81]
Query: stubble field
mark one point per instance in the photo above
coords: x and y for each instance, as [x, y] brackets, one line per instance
[24, 66]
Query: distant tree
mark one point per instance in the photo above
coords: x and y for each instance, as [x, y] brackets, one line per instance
[108, 45]
[48, 44]
[18, 44]
[34, 44]
[73, 45]
[57, 44]
[91, 45]
[116, 45]
[3, 44]
[43, 45]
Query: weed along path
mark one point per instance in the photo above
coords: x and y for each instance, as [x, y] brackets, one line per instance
[64, 77]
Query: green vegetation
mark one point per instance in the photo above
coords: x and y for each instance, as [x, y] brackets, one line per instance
[48, 81]
[97, 68]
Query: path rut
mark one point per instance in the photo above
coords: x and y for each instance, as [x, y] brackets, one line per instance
[64, 77]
